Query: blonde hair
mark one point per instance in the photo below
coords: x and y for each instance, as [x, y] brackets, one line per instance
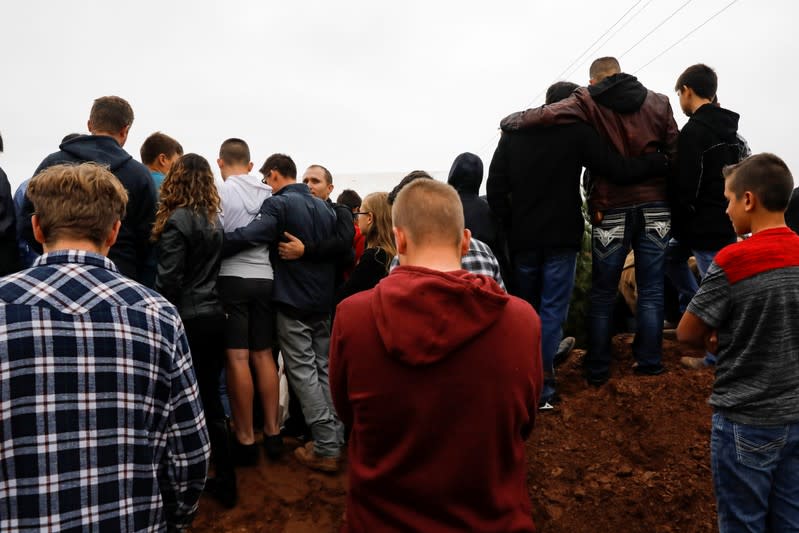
[77, 201]
[379, 234]
[190, 184]
[430, 212]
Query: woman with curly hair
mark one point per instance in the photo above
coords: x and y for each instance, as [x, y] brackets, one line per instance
[189, 246]
[374, 221]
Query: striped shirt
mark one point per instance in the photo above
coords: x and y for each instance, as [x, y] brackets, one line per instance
[751, 295]
[101, 427]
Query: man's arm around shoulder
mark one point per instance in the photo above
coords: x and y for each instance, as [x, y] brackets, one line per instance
[566, 111]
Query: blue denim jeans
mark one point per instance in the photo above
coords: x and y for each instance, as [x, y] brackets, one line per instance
[646, 229]
[683, 279]
[755, 476]
[545, 278]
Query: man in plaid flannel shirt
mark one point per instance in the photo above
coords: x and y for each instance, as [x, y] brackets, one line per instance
[100, 420]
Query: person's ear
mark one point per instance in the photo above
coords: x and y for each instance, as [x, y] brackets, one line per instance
[467, 239]
[38, 234]
[221, 163]
[750, 200]
[249, 167]
[400, 239]
[112, 236]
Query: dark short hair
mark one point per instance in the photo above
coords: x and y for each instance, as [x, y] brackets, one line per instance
[701, 79]
[282, 163]
[326, 172]
[766, 176]
[349, 198]
[156, 144]
[234, 152]
[110, 114]
[604, 67]
[412, 176]
[560, 90]
[1, 143]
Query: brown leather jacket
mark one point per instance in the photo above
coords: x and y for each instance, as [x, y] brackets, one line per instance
[635, 120]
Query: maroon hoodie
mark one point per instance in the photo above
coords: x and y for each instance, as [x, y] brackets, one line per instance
[438, 374]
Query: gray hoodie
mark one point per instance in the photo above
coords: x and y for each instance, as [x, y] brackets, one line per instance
[242, 196]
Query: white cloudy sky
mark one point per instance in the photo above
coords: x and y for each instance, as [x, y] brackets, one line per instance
[366, 86]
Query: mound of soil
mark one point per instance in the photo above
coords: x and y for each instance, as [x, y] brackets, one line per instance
[632, 456]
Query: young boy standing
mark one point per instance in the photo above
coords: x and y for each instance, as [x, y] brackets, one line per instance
[744, 312]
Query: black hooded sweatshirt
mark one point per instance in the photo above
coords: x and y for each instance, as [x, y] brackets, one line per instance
[707, 142]
[133, 246]
[465, 176]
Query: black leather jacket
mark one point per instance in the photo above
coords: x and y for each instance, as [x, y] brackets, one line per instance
[189, 253]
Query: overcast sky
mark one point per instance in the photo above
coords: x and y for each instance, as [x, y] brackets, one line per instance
[367, 86]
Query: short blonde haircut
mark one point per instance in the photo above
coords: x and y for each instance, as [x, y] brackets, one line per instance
[77, 202]
[430, 212]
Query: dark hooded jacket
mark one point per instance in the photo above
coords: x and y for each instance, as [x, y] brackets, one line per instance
[8, 228]
[466, 176]
[707, 143]
[635, 120]
[133, 247]
[410, 376]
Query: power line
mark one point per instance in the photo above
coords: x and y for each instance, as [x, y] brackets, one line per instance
[653, 30]
[681, 39]
[611, 36]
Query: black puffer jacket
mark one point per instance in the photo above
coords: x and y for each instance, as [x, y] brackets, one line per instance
[189, 253]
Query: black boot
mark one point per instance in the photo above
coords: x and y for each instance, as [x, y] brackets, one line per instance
[223, 486]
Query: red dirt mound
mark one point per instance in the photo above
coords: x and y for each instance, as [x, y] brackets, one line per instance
[630, 456]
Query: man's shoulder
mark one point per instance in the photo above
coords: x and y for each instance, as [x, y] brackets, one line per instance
[759, 254]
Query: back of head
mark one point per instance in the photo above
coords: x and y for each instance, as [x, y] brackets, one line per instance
[1, 143]
[379, 233]
[234, 152]
[349, 198]
[409, 178]
[603, 67]
[431, 214]
[280, 163]
[156, 144]
[466, 173]
[80, 202]
[110, 114]
[188, 184]
[766, 176]
[701, 79]
[559, 91]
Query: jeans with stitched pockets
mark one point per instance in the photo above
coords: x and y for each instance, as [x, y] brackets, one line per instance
[545, 279]
[646, 228]
[755, 476]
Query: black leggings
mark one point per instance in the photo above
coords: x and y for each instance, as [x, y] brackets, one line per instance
[207, 344]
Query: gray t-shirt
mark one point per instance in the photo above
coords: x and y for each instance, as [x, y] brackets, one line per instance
[751, 296]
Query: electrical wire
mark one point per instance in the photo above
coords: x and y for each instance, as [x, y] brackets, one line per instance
[653, 30]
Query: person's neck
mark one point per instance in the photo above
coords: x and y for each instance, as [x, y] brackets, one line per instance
[699, 102]
[74, 244]
[443, 260]
[234, 171]
[767, 220]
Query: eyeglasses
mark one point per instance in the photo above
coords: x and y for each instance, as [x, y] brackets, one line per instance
[355, 215]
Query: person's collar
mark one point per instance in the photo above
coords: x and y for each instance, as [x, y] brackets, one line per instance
[83, 257]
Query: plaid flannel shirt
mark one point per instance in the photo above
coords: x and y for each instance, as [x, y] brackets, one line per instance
[479, 260]
[101, 427]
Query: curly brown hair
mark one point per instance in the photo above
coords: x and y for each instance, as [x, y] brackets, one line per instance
[190, 184]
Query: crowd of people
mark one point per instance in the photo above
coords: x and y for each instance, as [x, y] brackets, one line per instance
[146, 309]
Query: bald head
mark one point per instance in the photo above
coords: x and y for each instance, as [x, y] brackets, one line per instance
[602, 68]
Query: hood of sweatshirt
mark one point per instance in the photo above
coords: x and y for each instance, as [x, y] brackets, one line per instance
[250, 191]
[722, 121]
[466, 173]
[424, 315]
[100, 148]
[621, 92]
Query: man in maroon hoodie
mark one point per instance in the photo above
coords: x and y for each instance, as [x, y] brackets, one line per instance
[438, 428]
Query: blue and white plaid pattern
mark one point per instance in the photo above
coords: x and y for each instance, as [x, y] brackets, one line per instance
[479, 260]
[101, 427]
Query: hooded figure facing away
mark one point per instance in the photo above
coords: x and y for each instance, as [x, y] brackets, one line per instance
[466, 176]
[438, 428]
